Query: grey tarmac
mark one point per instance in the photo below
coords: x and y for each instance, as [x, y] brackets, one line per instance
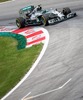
[63, 59]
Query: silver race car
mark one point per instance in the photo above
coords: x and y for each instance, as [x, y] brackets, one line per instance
[31, 15]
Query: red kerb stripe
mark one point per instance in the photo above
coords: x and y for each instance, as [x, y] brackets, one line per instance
[20, 30]
[34, 34]
[35, 41]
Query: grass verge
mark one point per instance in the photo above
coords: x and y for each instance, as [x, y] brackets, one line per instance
[14, 64]
[4, 0]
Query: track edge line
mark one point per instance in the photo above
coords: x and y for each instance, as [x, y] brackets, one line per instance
[33, 66]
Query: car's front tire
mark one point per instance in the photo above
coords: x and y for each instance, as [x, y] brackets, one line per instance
[20, 22]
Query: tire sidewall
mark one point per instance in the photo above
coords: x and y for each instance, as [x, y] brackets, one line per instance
[20, 22]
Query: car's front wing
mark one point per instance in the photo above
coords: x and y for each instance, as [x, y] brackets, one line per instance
[55, 21]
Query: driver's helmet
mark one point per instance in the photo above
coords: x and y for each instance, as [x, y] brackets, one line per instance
[28, 12]
[39, 8]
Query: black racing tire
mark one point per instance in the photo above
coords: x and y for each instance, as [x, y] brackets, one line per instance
[66, 11]
[44, 19]
[20, 22]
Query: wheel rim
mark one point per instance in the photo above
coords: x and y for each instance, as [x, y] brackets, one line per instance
[18, 23]
[43, 21]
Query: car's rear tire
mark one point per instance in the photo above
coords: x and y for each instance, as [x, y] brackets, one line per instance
[44, 19]
[66, 11]
[20, 22]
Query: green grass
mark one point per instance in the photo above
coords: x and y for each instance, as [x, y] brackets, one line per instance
[14, 64]
[4, 0]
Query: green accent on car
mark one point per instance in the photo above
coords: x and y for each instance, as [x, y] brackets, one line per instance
[28, 8]
[21, 39]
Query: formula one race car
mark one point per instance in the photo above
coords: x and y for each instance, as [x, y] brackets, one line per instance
[31, 15]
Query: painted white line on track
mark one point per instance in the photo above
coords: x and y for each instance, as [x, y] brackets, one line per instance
[24, 98]
[65, 84]
[33, 66]
[7, 2]
[33, 97]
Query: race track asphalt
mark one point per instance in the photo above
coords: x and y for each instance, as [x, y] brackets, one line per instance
[58, 76]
